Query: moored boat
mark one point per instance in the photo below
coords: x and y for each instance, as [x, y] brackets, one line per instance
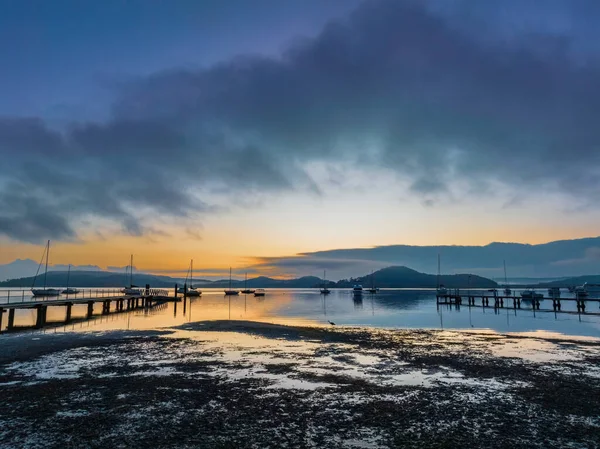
[259, 292]
[229, 291]
[440, 289]
[247, 291]
[192, 291]
[132, 290]
[44, 291]
[507, 290]
[530, 294]
[554, 292]
[324, 289]
[373, 289]
[69, 290]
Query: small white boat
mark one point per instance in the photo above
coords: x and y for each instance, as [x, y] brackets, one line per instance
[530, 294]
[44, 291]
[357, 289]
[259, 292]
[507, 291]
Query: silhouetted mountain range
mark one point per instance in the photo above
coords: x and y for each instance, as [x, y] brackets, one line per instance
[399, 277]
[549, 260]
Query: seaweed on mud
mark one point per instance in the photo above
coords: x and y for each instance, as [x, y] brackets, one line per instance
[346, 390]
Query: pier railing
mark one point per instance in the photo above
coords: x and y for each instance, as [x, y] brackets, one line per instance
[11, 296]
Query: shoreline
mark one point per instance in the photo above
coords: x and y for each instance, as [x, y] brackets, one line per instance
[254, 384]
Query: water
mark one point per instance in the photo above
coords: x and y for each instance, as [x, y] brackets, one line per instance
[394, 308]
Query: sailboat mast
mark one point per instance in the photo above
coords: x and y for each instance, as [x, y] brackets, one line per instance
[68, 276]
[38, 269]
[131, 271]
[439, 268]
[246, 282]
[46, 271]
[505, 278]
[229, 278]
[191, 273]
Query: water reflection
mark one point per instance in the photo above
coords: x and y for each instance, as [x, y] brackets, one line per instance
[387, 308]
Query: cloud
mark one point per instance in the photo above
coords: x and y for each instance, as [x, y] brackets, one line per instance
[410, 83]
[559, 258]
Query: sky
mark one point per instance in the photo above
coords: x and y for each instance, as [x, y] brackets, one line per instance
[234, 132]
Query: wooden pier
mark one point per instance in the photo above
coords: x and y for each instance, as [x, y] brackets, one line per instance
[110, 301]
[497, 301]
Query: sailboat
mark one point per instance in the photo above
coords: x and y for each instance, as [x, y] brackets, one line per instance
[246, 291]
[192, 291]
[132, 290]
[182, 288]
[230, 292]
[44, 291]
[325, 290]
[373, 289]
[441, 290]
[507, 290]
[69, 291]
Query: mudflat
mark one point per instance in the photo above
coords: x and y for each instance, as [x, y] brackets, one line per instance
[254, 385]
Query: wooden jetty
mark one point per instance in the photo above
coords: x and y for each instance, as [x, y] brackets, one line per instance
[495, 300]
[110, 300]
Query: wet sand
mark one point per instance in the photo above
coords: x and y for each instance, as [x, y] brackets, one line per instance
[245, 384]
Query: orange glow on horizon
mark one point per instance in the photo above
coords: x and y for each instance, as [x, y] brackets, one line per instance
[222, 248]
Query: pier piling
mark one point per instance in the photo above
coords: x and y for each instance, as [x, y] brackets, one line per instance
[68, 314]
[11, 319]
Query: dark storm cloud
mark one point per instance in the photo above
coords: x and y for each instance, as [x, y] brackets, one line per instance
[430, 93]
[413, 81]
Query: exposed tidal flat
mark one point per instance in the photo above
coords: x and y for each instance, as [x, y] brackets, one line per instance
[228, 383]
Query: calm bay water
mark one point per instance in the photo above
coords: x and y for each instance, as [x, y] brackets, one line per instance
[394, 308]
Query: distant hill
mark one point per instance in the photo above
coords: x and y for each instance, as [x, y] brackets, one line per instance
[92, 279]
[404, 277]
[264, 282]
[400, 277]
[573, 281]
